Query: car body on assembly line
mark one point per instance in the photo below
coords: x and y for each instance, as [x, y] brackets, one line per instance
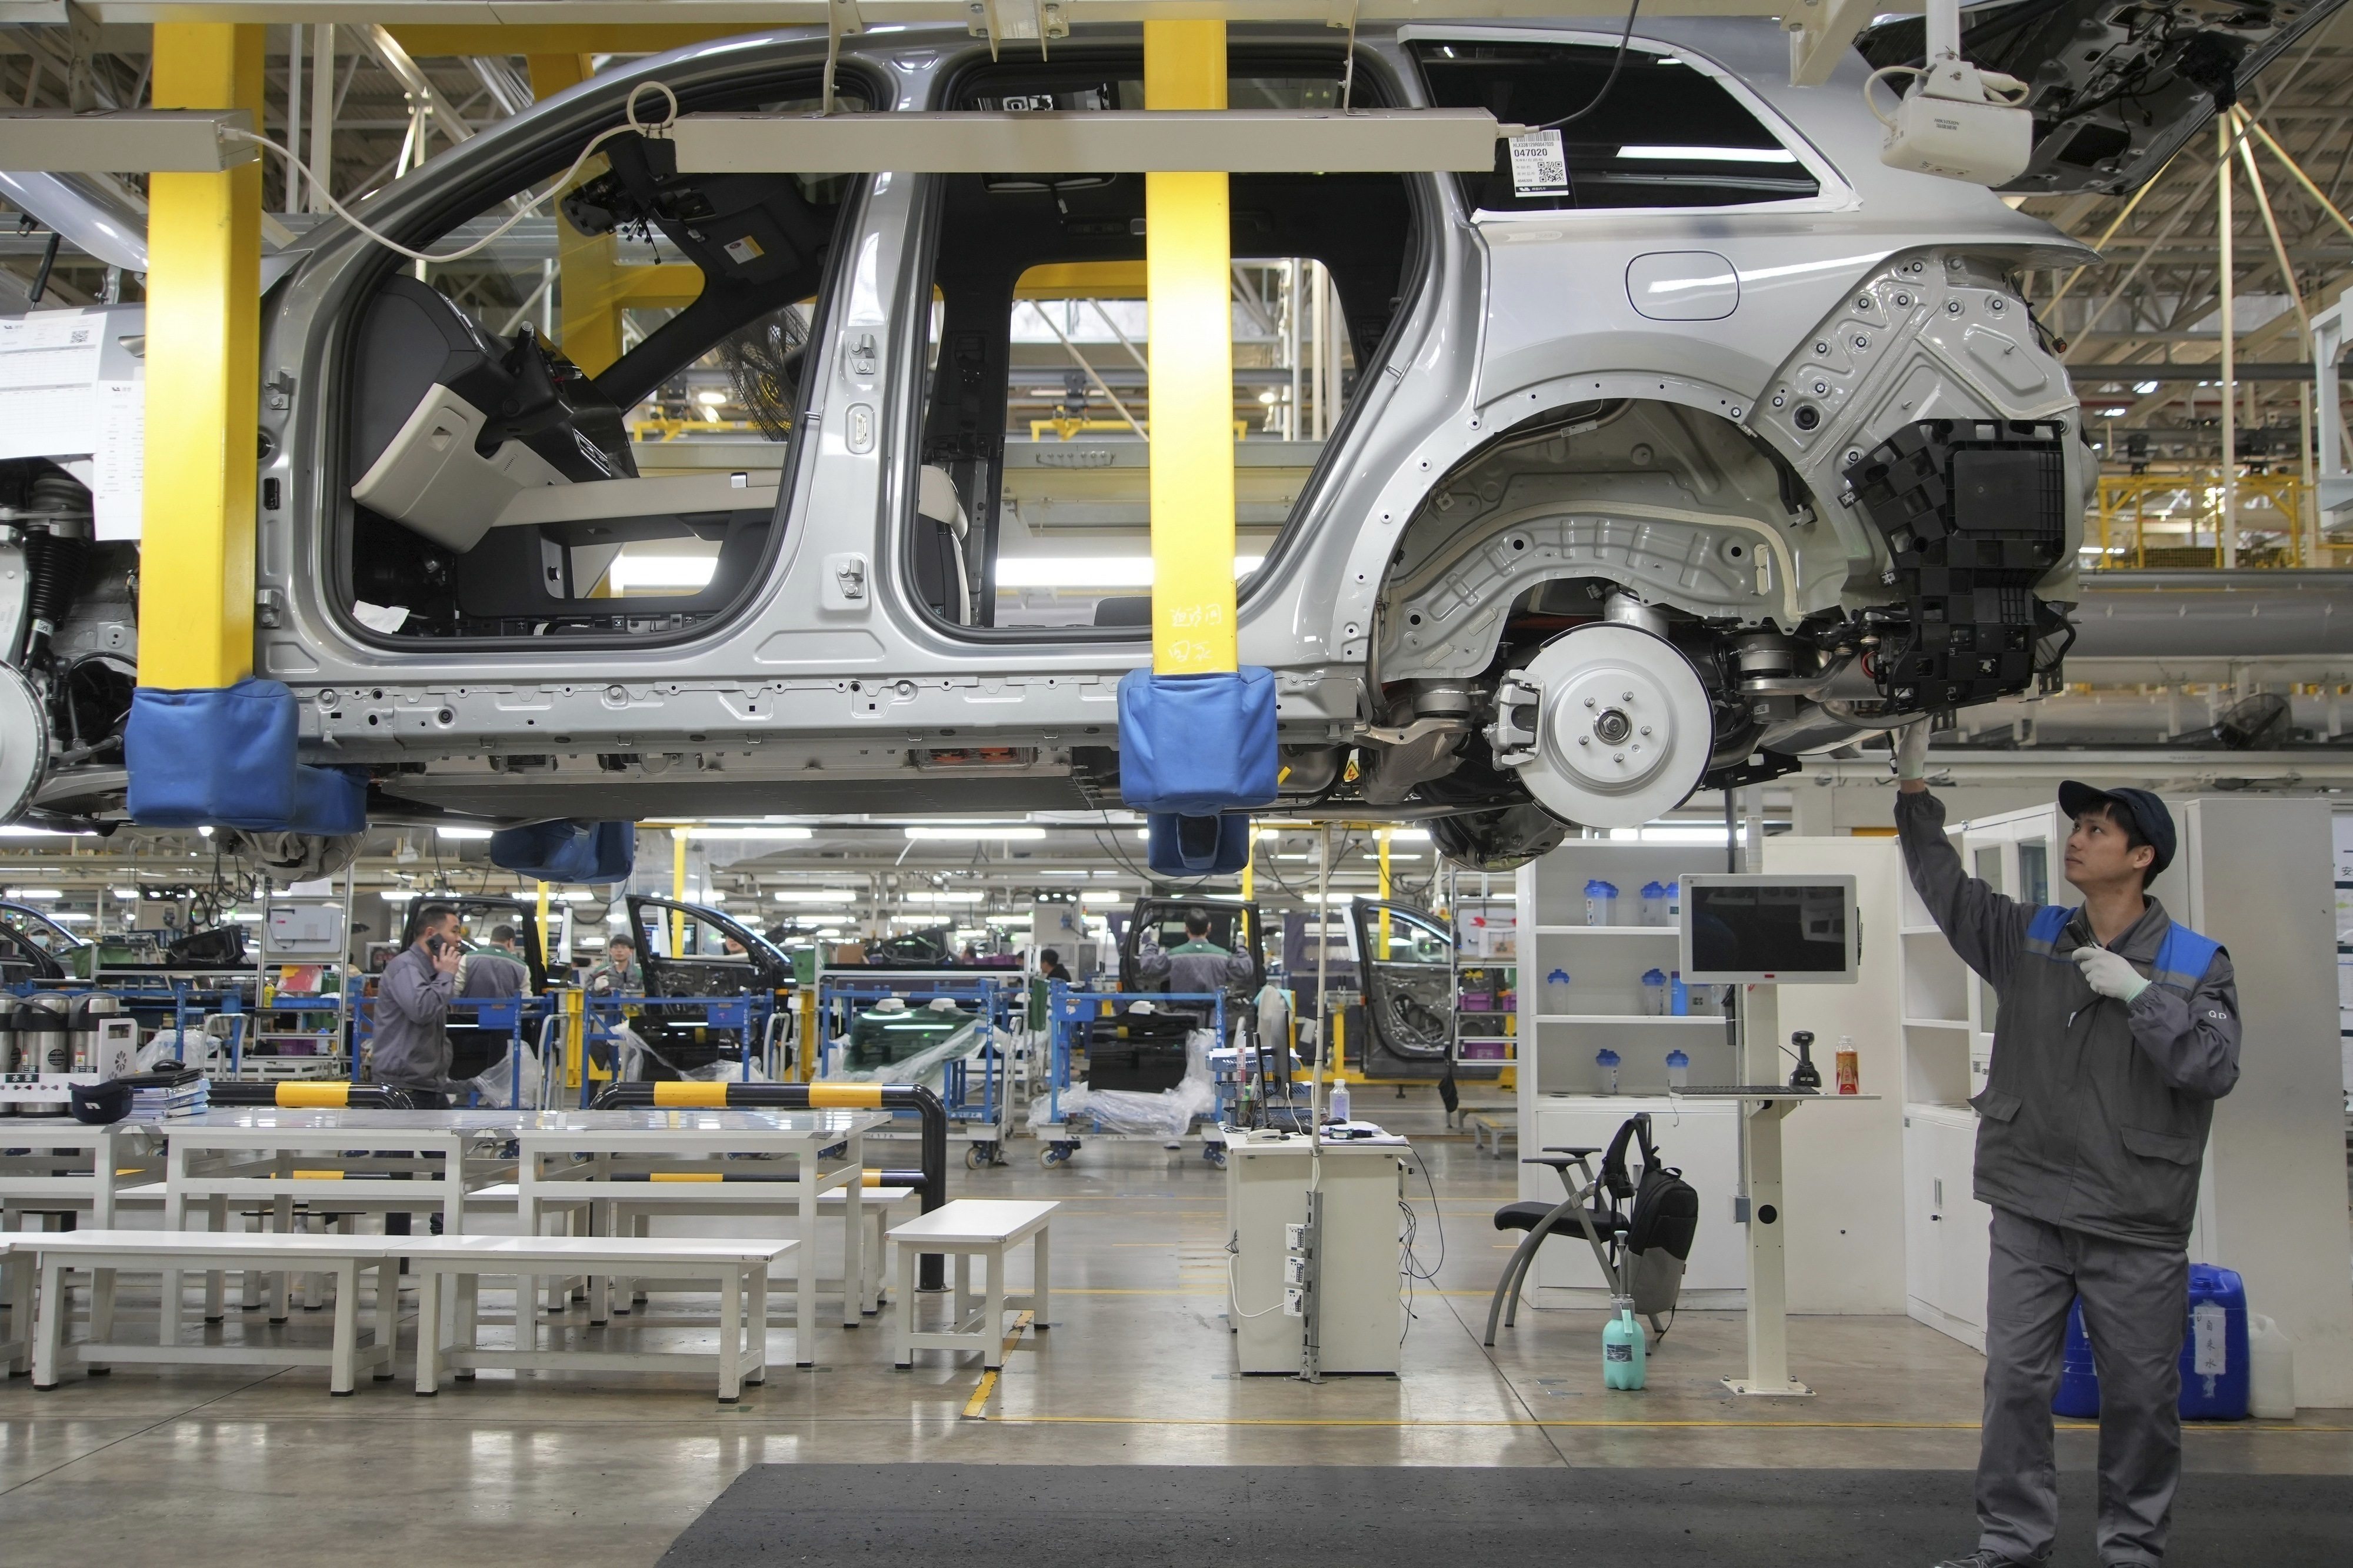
[1725, 445]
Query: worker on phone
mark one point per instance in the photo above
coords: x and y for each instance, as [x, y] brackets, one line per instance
[2116, 1031]
[410, 1049]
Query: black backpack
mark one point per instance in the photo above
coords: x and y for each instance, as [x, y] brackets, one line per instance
[1663, 1219]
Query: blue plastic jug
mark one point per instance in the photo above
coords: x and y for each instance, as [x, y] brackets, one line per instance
[2214, 1385]
[1623, 1348]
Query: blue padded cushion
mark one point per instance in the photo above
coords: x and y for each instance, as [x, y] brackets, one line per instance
[568, 851]
[214, 756]
[1196, 745]
[1197, 846]
[332, 800]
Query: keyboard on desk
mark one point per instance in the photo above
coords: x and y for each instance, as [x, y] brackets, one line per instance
[1741, 1090]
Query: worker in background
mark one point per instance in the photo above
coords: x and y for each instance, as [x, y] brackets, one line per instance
[1050, 966]
[1196, 966]
[500, 972]
[620, 973]
[410, 1049]
[2117, 1030]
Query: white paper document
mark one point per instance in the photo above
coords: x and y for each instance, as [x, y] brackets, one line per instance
[121, 458]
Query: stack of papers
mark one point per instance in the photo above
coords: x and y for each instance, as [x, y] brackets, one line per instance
[160, 1096]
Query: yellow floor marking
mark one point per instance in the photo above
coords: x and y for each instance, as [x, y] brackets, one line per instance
[974, 1408]
[1625, 1426]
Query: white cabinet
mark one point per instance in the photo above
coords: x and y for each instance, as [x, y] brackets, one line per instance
[1946, 1230]
[1580, 993]
[1700, 1139]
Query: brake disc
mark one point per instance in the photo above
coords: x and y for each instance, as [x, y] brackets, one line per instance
[1608, 726]
[24, 745]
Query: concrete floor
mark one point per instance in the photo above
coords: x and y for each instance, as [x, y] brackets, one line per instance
[216, 1466]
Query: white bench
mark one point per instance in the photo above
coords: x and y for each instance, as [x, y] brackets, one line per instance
[968, 1228]
[738, 1267]
[105, 1253]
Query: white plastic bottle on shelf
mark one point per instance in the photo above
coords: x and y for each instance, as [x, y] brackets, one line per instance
[1678, 1068]
[1555, 992]
[1654, 993]
[1605, 1071]
[1337, 1104]
[1600, 903]
[1675, 901]
[1654, 903]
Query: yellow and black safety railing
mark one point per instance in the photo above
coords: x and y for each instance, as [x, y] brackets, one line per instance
[309, 1095]
[931, 1182]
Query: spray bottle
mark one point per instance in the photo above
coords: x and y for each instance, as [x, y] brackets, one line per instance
[1623, 1347]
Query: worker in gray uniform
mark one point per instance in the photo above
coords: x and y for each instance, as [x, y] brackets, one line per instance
[2117, 1030]
[410, 1040]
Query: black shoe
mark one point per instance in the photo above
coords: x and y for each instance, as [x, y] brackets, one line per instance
[1985, 1557]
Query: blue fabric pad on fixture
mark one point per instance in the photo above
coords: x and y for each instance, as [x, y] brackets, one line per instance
[213, 756]
[568, 851]
[331, 801]
[224, 756]
[1194, 846]
[1196, 745]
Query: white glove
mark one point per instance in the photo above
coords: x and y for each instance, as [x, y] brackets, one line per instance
[1912, 752]
[2108, 973]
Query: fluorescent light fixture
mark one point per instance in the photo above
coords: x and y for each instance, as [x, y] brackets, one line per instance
[830, 930]
[628, 573]
[1408, 835]
[35, 895]
[396, 895]
[2144, 387]
[966, 835]
[1102, 896]
[2114, 413]
[250, 917]
[128, 895]
[68, 916]
[830, 897]
[710, 397]
[583, 898]
[621, 921]
[720, 830]
[941, 899]
[1709, 154]
[447, 832]
[18, 830]
[1090, 570]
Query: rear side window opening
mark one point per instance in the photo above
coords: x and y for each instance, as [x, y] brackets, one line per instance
[1033, 504]
[585, 431]
[1667, 135]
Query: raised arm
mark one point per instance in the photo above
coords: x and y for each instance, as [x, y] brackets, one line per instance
[1985, 927]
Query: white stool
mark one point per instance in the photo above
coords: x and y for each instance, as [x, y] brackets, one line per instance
[965, 1229]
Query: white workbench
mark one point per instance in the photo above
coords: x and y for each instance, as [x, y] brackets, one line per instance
[273, 1157]
[607, 1156]
[74, 1167]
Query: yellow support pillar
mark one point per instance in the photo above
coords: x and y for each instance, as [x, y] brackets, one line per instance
[1188, 282]
[1381, 948]
[589, 299]
[204, 378]
[546, 935]
[1249, 866]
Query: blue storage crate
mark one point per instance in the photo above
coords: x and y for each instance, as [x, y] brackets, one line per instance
[2213, 1353]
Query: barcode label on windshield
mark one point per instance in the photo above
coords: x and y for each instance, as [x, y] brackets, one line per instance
[1539, 168]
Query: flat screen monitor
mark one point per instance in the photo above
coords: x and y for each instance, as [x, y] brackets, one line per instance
[1794, 930]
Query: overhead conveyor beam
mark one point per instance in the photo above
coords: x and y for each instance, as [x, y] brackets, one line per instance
[1819, 30]
[1148, 142]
